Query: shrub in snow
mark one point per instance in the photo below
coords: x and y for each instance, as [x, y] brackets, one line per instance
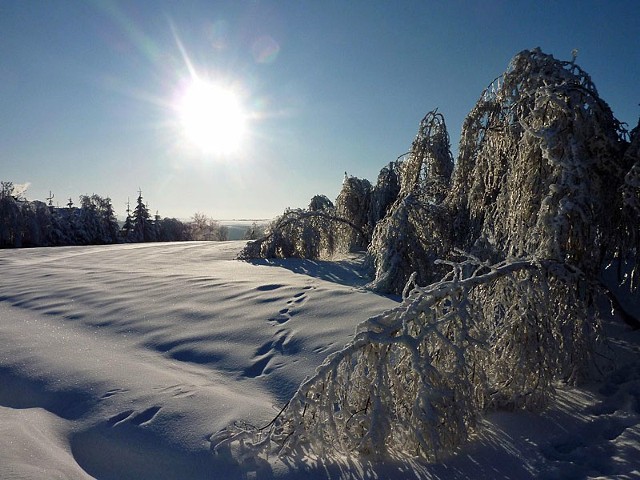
[415, 378]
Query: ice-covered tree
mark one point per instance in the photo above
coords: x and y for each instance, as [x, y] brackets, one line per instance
[127, 227]
[415, 379]
[544, 192]
[325, 229]
[385, 192]
[253, 232]
[107, 218]
[540, 166]
[317, 232]
[206, 228]
[299, 233]
[628, 223]
[10, 217]
[173, 230]
[320, 203]
[417, 229]
[353, 205]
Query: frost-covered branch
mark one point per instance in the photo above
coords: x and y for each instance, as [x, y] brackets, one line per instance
[539, 167]
[415, 378]
[299, 233]
[417, 228]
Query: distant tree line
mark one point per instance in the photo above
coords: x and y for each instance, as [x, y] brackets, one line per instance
[25, 223]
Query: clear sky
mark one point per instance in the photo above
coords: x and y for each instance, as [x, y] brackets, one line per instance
[90, 90]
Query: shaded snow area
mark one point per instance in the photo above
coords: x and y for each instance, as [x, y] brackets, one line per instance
[120, 362]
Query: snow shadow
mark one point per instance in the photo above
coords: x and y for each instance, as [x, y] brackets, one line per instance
[351, 272]
[125, 449]
[22, 392]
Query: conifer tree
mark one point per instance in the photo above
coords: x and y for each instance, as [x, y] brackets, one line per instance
[127, 227]
[141, 221]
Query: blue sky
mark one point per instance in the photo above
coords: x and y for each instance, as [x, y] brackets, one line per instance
[87, 89]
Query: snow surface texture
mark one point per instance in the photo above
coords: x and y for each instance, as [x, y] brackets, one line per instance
[122, 361]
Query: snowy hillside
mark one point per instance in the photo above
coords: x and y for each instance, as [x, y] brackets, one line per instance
[121, 361]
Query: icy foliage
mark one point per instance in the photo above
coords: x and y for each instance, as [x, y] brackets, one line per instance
[353, 205]
[324, 229]
[301, 234]
[629, 221]
[539, 166]
[415, 378]
[206, 228]
[416, 231]
[320, 202]
[385, 192]
[428, 169]
[545, 189]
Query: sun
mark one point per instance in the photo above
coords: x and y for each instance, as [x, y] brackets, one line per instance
[212, 117]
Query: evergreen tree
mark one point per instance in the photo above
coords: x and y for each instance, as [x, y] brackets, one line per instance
[127, 228]
[142, 226]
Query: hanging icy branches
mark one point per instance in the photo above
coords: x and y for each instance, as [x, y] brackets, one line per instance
[427, 170]
[544, 172]
[324, 229]
[416, 230]
[385, 193]
[300, 234]
[415, 378]
[539, 166]
[353, 204]
[629, 220]
[408, 241]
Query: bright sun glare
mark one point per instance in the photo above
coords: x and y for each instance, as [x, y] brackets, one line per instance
[212, 117]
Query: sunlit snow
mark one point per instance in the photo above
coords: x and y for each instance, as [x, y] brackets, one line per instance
[121, 361]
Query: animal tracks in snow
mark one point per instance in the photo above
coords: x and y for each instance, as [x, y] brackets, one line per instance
[293, 305]
[142, 418]
[180, 391]
[113, 392]
[283, 342]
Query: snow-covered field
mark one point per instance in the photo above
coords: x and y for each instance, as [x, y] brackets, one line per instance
[119, 362]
